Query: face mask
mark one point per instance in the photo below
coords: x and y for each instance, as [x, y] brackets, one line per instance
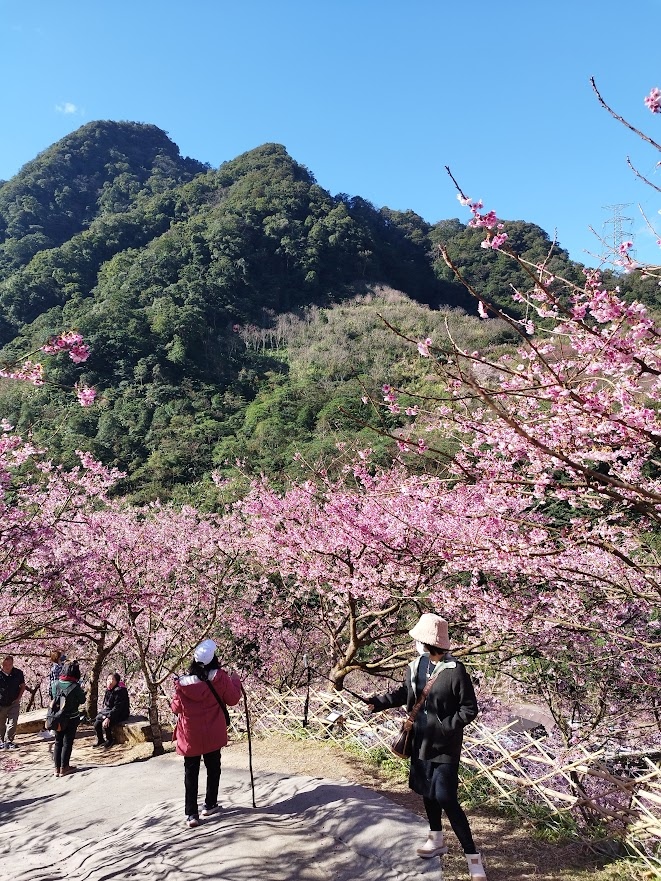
[419, 647]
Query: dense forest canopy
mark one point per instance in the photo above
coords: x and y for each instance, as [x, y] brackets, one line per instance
[232, 313]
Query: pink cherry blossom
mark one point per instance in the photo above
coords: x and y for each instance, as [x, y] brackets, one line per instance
[85, 395]
[653, 100]
[34, 373]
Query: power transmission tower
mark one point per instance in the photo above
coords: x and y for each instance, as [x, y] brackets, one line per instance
[621, 227]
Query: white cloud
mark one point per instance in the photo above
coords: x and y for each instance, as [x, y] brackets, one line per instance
[66, 107]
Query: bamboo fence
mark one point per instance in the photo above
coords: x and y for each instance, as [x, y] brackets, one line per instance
[593, 794]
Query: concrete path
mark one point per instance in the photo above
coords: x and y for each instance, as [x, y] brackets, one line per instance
[126, 822]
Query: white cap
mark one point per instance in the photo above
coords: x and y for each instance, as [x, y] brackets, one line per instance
[205, 651]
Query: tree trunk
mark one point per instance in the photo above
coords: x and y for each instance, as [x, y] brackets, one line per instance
[92, 707]
[337, 676]
[33, 696]
[154, 721]
[102, 652]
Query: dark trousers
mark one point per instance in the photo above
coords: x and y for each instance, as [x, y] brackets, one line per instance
[445, 785]
[101, 731]
[191, 775]
[64, 743]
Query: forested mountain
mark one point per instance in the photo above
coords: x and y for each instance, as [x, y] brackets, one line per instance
[228, 311]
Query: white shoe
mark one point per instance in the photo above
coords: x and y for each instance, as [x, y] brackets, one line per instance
[475, 867]
[433, 846]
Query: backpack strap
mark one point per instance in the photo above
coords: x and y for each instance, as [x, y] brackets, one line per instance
[65, 695]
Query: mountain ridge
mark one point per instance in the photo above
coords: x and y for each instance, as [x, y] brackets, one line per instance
[162, 262]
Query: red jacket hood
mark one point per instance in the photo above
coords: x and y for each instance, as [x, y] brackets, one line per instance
[194, 688]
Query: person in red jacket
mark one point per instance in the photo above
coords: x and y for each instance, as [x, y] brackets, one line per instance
[200, 702]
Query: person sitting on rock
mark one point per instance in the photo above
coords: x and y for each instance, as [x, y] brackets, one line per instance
[115, 709]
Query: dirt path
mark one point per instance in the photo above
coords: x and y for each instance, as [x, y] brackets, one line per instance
[513, 851]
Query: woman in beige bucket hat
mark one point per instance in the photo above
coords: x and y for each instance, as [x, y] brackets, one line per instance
[437, 734]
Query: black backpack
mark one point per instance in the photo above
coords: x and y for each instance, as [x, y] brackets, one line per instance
[56, 716]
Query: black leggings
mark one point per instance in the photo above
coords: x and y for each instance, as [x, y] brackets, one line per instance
[64, 743]
[191, 776]
[445, 785]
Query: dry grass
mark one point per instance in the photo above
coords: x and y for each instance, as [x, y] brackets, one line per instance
[513, 849]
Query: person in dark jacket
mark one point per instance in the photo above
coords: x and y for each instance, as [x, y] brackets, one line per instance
[12, 686]
[115, 709]
[69, 686]
[200, 702]
[438, 729]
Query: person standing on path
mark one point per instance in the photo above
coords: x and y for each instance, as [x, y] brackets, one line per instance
[57, 659]
[200, 702]
[12, 686]
[69, 686]
[438, 728]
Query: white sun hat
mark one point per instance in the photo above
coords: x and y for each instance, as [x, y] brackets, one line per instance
[431, 630]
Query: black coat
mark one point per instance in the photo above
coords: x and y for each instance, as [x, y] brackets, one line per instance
[115, 704]
[451, 704]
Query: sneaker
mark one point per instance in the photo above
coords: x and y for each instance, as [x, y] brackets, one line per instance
[10, 746]
[207, 812]
[68, 770]
[98, 743]
[109, 743]
[192, 821]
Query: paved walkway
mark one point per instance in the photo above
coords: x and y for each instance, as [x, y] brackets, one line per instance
[126, 822]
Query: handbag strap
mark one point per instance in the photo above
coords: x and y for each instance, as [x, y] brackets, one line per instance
[425, 691]
[221, 703]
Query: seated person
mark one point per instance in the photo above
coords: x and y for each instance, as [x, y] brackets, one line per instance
[115, 709]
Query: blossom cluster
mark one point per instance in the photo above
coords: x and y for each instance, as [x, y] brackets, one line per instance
[28, 371]
[33, 371]
[653, 100]
[71, 342]
[488, 221]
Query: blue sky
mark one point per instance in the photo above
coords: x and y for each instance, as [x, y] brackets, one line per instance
[375, 97]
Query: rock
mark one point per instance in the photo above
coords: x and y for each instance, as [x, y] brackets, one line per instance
[136, 729]
[532, 718]
[30, 723]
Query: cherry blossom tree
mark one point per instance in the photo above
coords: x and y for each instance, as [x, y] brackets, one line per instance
[161, 578]
[561, 440]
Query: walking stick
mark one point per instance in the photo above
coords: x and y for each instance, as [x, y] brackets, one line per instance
[252, 777]
[306, 706]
